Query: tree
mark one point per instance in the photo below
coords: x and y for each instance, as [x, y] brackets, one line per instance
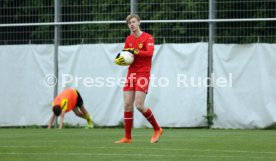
[38, 11]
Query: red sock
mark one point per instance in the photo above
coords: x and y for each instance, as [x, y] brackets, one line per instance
[149, 116]
[128, 120]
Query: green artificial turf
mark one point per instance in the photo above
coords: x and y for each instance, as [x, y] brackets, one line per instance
[76, 144]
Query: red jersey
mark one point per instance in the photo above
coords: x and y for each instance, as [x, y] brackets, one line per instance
[67, 99]
[145, 44]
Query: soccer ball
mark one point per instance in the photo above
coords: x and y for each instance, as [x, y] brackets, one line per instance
[127, 56]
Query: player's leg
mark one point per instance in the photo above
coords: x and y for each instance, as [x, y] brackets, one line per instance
[86, 116]
[128, 115]
[128, 112]
[77, 112]
[139, 103]
[83, 110]
[140, 96]
[141, 89]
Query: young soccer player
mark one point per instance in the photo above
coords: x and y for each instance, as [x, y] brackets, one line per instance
[68, 100]
[141, 45]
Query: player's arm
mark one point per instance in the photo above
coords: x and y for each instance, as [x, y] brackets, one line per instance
[51, 120]
[149, 48]
[61, 119]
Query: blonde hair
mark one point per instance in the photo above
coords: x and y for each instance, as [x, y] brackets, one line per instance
[129, 17]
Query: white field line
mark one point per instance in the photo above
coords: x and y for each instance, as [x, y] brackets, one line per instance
[160, 149]
[136, 155]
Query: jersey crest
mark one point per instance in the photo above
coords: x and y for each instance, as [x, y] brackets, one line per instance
[140, 45]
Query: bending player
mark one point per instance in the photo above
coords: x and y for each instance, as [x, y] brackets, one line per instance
[68, 100]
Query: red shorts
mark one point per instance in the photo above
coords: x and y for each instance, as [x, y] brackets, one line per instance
[137, 82]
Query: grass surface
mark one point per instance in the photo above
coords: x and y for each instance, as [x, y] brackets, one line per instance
[38, 144]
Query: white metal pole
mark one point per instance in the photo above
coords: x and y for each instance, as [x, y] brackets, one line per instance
[56, 44]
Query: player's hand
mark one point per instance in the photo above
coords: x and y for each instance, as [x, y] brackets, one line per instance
[120, 60]
[132, 50]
